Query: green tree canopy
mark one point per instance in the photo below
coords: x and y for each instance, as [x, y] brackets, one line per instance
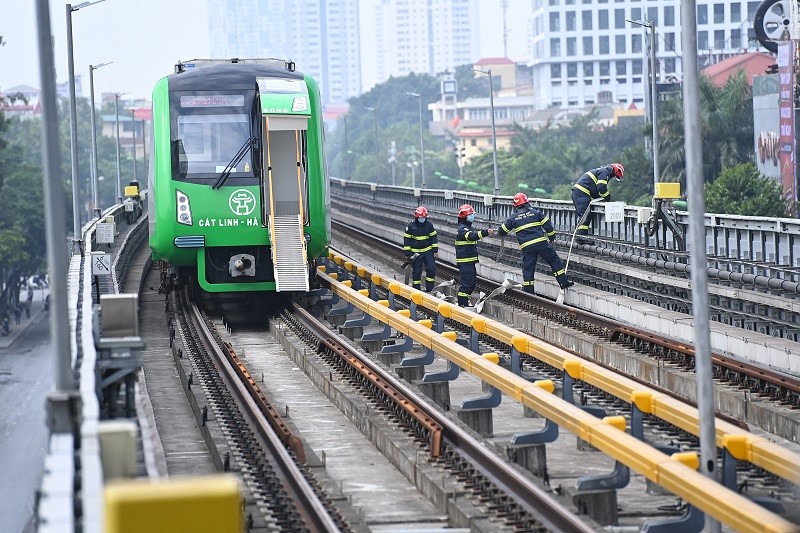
[743, 190]
[726, 125]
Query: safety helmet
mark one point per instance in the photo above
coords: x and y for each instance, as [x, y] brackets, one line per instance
[520, 198]
[421, 211]
[618, 170]
[465, 210]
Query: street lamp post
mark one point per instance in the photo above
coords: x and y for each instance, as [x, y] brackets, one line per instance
[133, 121]
[73, 121]
[119, 170]
[421, 142]
[375, 125]
[494, 131]
[653, 72]
[393, 159]
[413, 166]
[95, 192]
[346, 150]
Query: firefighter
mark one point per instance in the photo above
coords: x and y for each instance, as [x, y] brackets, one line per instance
[591, 185]
[534, 233]
[467, 239]
[420, 238]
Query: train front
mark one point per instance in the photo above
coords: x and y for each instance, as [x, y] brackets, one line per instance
[238, 182]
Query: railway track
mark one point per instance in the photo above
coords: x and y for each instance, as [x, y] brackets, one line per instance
[782, 388]
[662, 286]
[270, 459]
[769, 385]
[510, 497]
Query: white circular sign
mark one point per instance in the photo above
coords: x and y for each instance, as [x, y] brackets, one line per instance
[242, 202]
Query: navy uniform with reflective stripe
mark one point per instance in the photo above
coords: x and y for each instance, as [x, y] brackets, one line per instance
[534, 231]
[466, 256]
[420, 238]
[592, 184]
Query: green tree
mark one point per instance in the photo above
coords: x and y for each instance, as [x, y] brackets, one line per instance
[726, 124]
[743, 190]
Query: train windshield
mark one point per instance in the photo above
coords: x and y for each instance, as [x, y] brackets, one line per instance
[208, 131]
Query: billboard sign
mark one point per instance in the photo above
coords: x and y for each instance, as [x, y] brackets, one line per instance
[786, 157]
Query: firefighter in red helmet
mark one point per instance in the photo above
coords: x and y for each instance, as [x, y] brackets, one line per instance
[534, 233]
[591, 185]
[420, 239]
[467, 239]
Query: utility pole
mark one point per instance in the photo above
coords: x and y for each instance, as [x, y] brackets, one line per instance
[504, 6]
[494, 131]
[697, 241]
[654, 100]
[62, 402]
[119, 173]
[421, 141]
[95, 184]
[346, 151]
[653, 76]
[133, 121]
[393, 159]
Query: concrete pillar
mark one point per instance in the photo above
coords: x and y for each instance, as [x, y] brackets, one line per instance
[352, 332]
[371, 346]
[532, 457]
[336, 320]
[390, 359]
[410, 373]
[599, 505]
[438, 391]
[479, 420]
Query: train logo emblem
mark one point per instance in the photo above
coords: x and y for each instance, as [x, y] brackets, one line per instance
[242, 202]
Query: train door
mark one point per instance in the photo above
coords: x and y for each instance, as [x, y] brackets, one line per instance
[283, 197]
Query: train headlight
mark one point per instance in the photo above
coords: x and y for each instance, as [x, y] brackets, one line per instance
[183, 211]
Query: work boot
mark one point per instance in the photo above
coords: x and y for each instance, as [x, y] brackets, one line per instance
[567, 284]
[529, 289]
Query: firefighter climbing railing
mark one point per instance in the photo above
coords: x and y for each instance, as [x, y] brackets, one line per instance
[745, 245]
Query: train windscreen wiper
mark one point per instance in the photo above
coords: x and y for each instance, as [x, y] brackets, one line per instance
[230, 167]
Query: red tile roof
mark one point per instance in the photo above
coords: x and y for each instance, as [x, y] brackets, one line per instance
[494, 61]
[753, 64]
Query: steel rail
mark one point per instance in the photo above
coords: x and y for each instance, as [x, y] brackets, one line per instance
[612, 329]
[359, 364]
[758, 451]
[527, 495]
[308, 505]
[675, 473]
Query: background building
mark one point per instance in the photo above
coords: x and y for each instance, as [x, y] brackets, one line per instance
[302, 30]
[585, 52]
[348, 46]
[404, 36]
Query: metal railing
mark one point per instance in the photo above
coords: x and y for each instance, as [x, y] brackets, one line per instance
[757, 246]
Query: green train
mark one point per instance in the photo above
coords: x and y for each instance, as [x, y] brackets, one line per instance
[238, 188]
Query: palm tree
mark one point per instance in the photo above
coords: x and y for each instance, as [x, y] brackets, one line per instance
[726, 125]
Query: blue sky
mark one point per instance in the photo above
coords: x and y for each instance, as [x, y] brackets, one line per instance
[145, 38]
